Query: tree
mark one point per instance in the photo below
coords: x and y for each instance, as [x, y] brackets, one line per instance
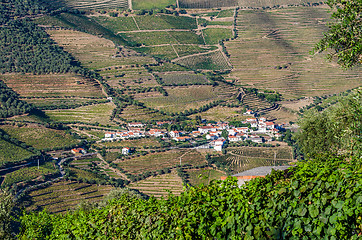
[336, 129]
[344, 37]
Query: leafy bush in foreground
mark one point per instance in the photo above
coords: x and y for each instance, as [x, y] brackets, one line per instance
[319, 199]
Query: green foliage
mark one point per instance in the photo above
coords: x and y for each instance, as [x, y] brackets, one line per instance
[336, 129]
[10, 104]
[6, 206]
[344, 35]
[27, 48]
[11, 153]
[316, 199]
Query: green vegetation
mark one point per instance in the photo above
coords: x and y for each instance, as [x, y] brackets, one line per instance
[152, 4]
[28, 173]
[65, 195]
[11, 153]
[207, 3]
[226, 13]
[163, 22]
[344, 35]
[336, 129]
[10, 104]
[117, 24]
[214, 35]
[308, 202]
[40, 137]
[19, 54]
[203, 176]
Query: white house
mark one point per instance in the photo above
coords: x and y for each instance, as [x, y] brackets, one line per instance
[135, 124]
[110, 135]
[234, 138]
[219, 144]
[249, 112]
[125, 151]
[206, 129]
[174, 134]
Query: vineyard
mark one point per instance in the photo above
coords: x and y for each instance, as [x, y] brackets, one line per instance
[94, 4]
[160, 186]
[183, 79]
[90, 114]
[151, 4]
[156, 161]
[10, 153]
[214, 35]
[40, 137]
[245, 158]
[52, 85]
[65, 195]
[272, 52]
[210, 61]
[203, 176]
[28, 173]
[207, 3]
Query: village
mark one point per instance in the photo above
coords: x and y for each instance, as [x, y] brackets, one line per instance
[254, 129]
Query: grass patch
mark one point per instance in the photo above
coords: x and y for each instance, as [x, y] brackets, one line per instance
[226, 13]
[117, 24]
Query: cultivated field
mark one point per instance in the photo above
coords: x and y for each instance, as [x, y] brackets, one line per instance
[40, 137]
[95, 52]
[207, 3]
[65, 195]
[11, 153]
[182, 98]
[244, 158]
[28, 173]
[134, 113]
[183, 79]
[52, 85]
[214, 60]
[99, 113]
[156, 161]
[214, 35]
[151, 4]
[160, 186]
[272, 52]
[93, 4]
[221, 113]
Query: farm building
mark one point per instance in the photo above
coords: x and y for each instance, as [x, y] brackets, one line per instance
[125, 151]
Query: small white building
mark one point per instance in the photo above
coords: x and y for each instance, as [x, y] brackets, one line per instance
[174, 134]
[125, 151]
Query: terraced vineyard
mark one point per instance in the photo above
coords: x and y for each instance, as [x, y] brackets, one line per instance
[245, 158]
[94, 4]
[272, 52]
[251, 101]
[52, 85]
[28, 173]
[90, 114]
[10, 153]
[40, 137]
[160, 185]
[137, 114]
[64, 195]
[203, 176]
[210, 61]
[183, 79]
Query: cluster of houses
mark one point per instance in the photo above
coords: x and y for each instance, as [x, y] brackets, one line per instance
[257, 130]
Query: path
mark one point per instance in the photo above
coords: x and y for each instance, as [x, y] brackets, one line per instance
[135, 22]
[130, 5]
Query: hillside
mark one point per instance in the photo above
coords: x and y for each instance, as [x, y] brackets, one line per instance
[142, 101]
